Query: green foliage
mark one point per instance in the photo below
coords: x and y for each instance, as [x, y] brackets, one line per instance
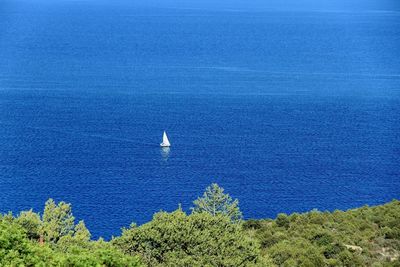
[95, 255]
[359, 237]
[213, 235]
[81, 233]
[252, 224]
[19, 245]
[13, 244]
[58, 221]
[297, 252]
[282, 220]
[31, 222]
[200, 239]
[322, 238]
[215, 202]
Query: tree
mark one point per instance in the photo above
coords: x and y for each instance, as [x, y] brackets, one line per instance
[58, 220]
[81, 233]
[17, 250]
[69, 244]
[13, 244]
[80, 239]
[215, 202]
[31, 222]
[199, 239]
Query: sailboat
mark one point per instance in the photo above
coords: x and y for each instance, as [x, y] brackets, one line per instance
[165, 141]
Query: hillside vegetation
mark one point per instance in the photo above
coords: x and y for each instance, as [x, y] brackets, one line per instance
[367, 236]
[213, 234]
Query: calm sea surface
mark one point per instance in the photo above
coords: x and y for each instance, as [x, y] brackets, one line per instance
[288, 110]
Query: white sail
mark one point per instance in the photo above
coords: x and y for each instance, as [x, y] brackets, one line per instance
[165, 142]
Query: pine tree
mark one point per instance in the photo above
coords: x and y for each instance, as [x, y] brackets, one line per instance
[215, 202]
[58, 220]
[81, 232]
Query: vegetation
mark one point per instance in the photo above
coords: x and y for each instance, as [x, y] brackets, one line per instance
[200, 239]
[54, 240]
[215, 202]
[368, 236]
[214, 234]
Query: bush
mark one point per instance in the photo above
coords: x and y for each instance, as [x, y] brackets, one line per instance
[282, 220]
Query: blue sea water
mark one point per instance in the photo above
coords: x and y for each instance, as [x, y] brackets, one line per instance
[287, 108]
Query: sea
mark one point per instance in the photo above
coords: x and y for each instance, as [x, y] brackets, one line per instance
[288, 105]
